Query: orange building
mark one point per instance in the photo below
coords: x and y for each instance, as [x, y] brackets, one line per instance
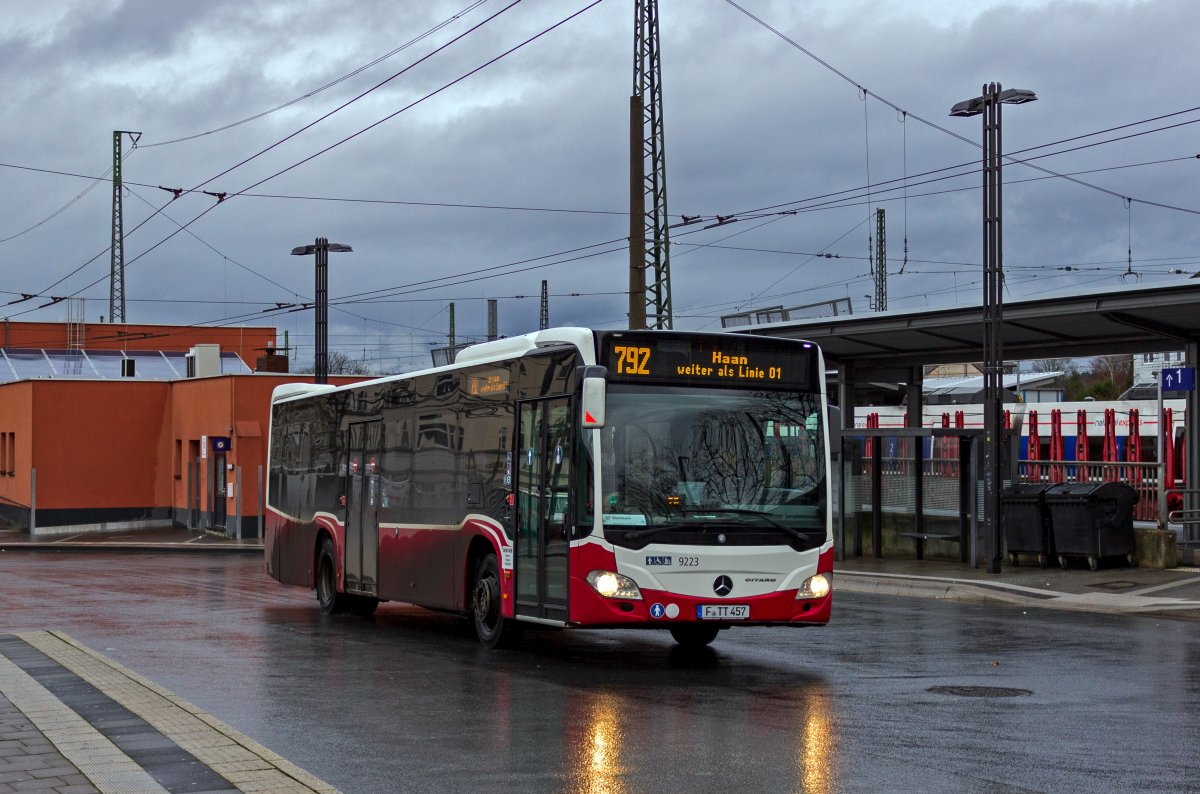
[89, 441]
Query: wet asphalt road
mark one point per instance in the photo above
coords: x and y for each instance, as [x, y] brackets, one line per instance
[408, 702]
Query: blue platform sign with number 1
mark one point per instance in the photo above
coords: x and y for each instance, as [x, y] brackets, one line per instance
[1178, 379]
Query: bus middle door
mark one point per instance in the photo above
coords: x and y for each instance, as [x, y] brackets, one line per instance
[543, 507]
[362, 507]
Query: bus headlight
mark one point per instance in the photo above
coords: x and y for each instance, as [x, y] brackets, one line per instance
[816, 586]
[614, 585]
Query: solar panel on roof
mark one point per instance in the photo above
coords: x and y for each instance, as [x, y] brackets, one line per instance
[37, 363]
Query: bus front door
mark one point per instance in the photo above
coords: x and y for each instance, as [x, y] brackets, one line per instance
[542, 506]
[362, 507]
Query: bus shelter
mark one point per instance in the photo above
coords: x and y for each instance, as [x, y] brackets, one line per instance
[905, 490]
[895, 348]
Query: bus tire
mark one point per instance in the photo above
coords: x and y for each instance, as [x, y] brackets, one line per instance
[330, 600]
[691, 635]
[491, 628]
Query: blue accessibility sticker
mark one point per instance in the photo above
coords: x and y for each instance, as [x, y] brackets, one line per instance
[657, 611]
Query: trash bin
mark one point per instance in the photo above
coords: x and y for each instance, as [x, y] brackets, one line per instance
[1092, 520]
[1027, 523]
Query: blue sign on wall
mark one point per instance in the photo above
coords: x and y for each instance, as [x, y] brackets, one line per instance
[220, 444]
[1178, 379]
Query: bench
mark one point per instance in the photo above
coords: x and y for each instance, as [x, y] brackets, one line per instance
[921, 537]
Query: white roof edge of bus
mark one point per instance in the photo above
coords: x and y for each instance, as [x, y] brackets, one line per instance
[482, 353]
[286, 390]
[515, 346]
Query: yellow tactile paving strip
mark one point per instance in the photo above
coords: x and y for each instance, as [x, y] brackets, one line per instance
[239, 759]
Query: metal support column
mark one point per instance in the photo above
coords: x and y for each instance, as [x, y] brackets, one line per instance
[993, 308]
[916, 412]
[261, 500]
[1191, 460]
[237, 504]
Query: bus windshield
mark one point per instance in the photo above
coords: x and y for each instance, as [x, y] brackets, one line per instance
[713, 467]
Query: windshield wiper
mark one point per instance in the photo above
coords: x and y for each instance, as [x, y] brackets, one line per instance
[634, 534]
[756, 514]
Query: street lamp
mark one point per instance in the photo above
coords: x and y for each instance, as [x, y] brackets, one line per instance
[321, 248]
[988, 105]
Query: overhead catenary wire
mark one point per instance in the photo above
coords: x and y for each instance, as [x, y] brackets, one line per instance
[344, 140]
[310, 94]
[1011, 157]
[277, 143]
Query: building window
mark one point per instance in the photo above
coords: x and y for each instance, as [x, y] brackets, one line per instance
[1147, 358]
[178, 458]
[11, 453]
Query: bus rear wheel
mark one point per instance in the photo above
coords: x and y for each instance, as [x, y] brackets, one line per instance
[693, 635]
[328, 597]
[491, 628]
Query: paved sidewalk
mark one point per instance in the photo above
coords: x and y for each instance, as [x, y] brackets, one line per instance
[73, 721]
[165, 538]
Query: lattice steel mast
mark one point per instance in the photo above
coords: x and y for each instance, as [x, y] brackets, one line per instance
[880, 261]
[649, 243]
[116, 289]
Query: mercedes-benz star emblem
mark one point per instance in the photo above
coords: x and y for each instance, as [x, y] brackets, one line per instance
[723, 586]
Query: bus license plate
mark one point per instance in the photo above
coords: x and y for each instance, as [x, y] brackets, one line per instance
[722, 611]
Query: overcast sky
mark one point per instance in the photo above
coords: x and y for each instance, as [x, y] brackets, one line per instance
[751, 122]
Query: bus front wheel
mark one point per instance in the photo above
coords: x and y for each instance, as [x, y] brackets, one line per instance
[328, 597]
[491, 628]
[694, 636]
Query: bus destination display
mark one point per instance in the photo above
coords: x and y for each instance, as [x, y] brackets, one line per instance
[694, 362]
[488, 383]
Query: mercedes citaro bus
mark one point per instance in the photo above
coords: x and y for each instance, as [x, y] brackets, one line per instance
[565, 478]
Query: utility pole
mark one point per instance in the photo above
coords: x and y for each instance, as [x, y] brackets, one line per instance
[988, 105]
[544, 313]
[320, 250]
[116, 289]
[649, 243]
[491, 320]
[452, 340]
[880, 262]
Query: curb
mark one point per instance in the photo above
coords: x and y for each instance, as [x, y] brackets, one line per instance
[142, 548]
[1015, 595]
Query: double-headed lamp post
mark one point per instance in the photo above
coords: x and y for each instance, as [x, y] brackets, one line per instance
[988, 105]
[321, 248]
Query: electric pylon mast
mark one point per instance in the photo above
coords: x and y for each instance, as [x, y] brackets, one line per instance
[647, 149]
[880, 262]
[116, 289]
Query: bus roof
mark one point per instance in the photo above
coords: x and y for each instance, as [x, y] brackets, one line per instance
[482, 353]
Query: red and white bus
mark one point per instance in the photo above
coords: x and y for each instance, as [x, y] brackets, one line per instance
[567, 478]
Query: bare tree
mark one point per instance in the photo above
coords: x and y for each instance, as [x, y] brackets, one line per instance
[1118, 369]
[339, 363]
[1053, 365]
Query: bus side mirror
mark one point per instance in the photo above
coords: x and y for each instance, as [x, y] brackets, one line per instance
[592, 410]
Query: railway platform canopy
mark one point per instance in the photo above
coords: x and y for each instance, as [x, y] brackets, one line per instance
[895, 347]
